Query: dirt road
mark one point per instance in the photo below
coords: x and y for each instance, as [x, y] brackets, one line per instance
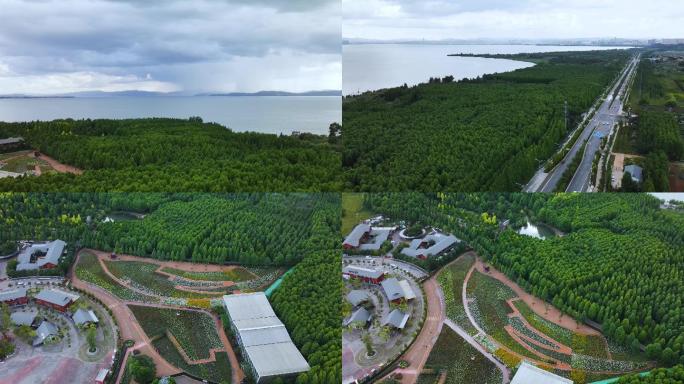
[57, 166]
[419, 351]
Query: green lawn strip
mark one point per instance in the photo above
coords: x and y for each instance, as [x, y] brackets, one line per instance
[195, 331]
[89, 270]
[490, 310]
[215, 372]
[463, 363]
[352, 211]
[451, 281]
[143, 276]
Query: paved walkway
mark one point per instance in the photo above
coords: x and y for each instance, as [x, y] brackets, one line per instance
[419, 351]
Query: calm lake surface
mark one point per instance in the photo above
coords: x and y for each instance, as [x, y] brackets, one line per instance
[376, 66]
[540, 231]
[267, 114]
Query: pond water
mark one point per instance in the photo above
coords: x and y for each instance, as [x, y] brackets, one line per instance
[120, 216]
[539, 231]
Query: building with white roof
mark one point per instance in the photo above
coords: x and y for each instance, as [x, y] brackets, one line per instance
[83, 317]
[430, 245]
[45, 330]
[56, 299]
[14, 297]
[529, 374]
[263, 338]
[23, 318]
[396, 290]
[397, 318]
[41, 256]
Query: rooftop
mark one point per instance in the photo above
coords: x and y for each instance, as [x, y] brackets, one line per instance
[354, 237]
[44, 330]
[529, 374]
[357, 297]
[363, 272]
[397, 319]
[23, 318]
[13, 294]
[57, 297]
[393, 289]
[82, 316]
[53, 250]
[441, 243]
[361, 315]
[263, 336]
[11, 140]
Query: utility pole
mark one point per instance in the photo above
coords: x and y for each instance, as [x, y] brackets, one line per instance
[565, 112]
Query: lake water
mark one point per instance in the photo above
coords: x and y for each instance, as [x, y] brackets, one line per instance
[376, 66]
[540, 231]
[267, 114]
[667, 196]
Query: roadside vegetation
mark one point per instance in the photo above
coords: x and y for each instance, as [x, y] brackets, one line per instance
[490, 133]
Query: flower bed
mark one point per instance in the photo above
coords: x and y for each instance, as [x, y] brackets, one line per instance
[589, 363]
[463, 363]
[519, 326]
[195, 331]
[216, 372]
[450, 280]
[236, 274]
[89, 270]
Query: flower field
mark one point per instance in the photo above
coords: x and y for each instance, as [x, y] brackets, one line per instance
[195, 331]
[217, 371]
[451, 281]
[463, 363]
[236, 274]
[89, 269]
[143, 277]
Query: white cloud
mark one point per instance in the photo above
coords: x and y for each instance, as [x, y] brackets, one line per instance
[445, 19]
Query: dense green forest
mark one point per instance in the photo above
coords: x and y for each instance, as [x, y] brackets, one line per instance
[172, 155]
[621, 263]
[251, 229]
[674, 375]
[308, 301]
[489, 133]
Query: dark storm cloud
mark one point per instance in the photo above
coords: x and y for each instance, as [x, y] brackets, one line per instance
[154, 40]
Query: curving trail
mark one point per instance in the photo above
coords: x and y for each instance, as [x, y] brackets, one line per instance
[130, 329]
[57, 166]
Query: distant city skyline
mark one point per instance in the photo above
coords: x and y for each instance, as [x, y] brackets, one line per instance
[57, 47]
[503, 19]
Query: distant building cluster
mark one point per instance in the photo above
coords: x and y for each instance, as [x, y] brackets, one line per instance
[365, 237]
[396, 291]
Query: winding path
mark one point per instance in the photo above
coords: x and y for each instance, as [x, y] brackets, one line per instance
[130, 329]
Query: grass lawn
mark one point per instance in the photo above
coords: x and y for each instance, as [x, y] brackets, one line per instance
[24, 163]
[451, 280]
[215, 372]
[237, 274]
[89, 269]
[625, 140]
[352, 211]
[143, 276]
[195, 331]
[463, 363]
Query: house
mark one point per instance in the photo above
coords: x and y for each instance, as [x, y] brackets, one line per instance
[14, 297]
[11, 144]
[262, 338]
[430, 245]
[366, 275]
[360, 316]
[101, 376]
[529, 374]
[357, 297]
[397, 291]
[376, 238]
[397, 319]
[23, 318]
[636, 172]
[84, 317]
[356, 236]
[56, 299]
[45, 330]
[41, 256]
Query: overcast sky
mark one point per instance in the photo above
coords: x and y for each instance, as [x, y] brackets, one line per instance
[525, 19]
[58, 46]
